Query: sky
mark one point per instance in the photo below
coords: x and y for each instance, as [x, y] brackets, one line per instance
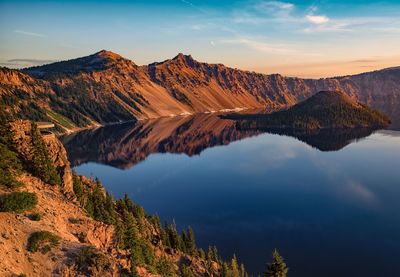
[295, 38]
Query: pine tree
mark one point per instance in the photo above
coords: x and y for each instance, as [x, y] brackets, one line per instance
[109, 208]
[186, 271]
[165, 236]
[277, 268]
[6, 134]
[202, 254]
[10, 166]
[190, 243]
[155, 221]
[42, 165]
[242, 271]
[234, 270]
[210, 254]
[131, 230]
[224, 270]
[77, 187]
[215, 252]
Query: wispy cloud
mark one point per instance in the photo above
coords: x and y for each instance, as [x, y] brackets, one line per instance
[272, 6]
[259, 45]
[317, 19]
[363, 61]
[20, 63]
[262, 12]
[309, 20]
[32, 34]
[194, 6]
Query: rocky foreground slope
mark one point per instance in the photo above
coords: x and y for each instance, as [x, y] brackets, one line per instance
[105, 87]
[56, 223]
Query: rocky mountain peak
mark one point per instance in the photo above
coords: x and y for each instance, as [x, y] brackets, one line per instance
[184, 59]
[107, 55]
[96, 62]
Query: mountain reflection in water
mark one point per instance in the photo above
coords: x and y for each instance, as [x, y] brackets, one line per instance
[124, 145]
[261, 192]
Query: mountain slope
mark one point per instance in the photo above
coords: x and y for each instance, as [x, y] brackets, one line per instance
[74, 228]
[326, 109]
[104, 88]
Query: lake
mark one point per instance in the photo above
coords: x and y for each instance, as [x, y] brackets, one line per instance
[328, 201]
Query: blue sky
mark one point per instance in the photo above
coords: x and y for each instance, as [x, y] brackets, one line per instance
[297, 38]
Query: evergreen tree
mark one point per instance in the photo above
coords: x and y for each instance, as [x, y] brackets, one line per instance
[10, 166]
[210, 254]
[186, 271]
[184, 240]
[6, 134]
[131, 231]
[165, 267]
[42, 165]
[165, 235]
[277, 268]
[190, 243]
[224, 270]
[202, 254]
[242, 271]
[10, 162]
[77, 187]
[215, 252]
[155, 221]
[109, 207]
[234, 270]
[174, 238]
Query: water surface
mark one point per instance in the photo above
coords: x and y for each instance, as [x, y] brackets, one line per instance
[328, 201]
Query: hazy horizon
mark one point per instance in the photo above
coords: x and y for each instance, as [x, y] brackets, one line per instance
[294, 38]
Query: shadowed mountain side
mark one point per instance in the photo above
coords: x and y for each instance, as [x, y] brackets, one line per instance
[124, 145]
[325, 140]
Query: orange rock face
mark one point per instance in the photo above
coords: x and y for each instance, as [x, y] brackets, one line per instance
[105, 87]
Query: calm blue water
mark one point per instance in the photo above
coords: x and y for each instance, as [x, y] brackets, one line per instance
[333, 213]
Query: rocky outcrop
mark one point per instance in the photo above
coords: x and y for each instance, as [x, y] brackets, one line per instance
[22, 139]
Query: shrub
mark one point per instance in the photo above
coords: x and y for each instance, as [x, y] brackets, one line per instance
[165, 267]
[187, 272]
[42, 241]
[89, 260]
[35, 216]
[17, 201]
[74, 220]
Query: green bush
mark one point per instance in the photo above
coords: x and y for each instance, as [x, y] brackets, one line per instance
[187, 272]
[165, 267]
[35, 217]
[91, 261]
[17, 201]
[42, 241]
